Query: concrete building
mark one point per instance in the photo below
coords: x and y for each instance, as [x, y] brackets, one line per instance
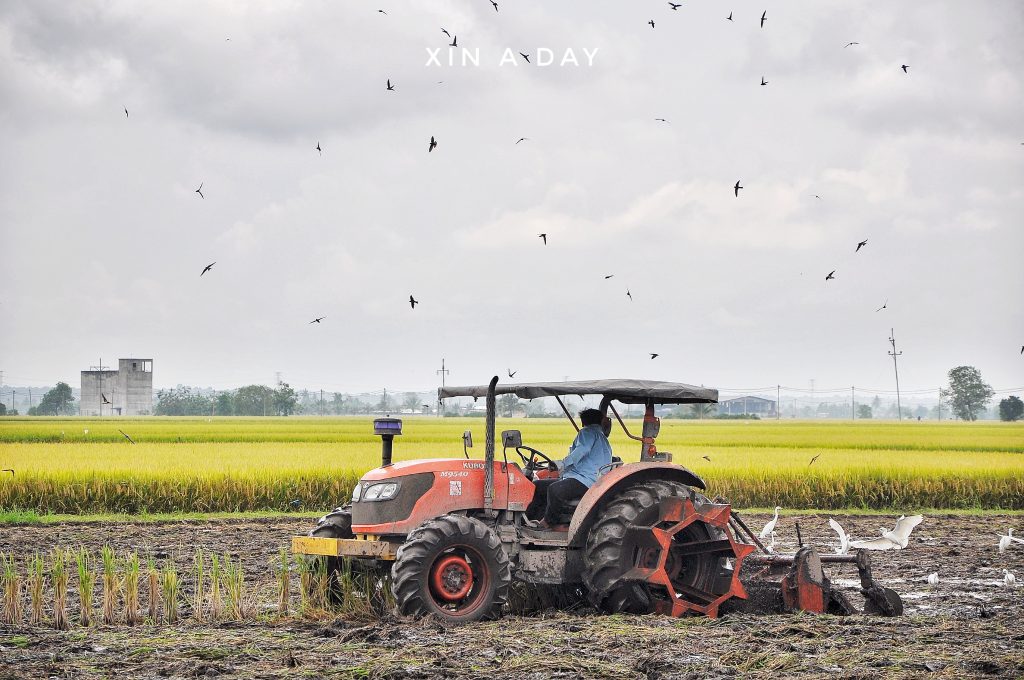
[747, 406]
[128, 391]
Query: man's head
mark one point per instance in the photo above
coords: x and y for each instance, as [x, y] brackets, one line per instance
[590, 416]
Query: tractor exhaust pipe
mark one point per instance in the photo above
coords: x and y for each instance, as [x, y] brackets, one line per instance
[489, 446]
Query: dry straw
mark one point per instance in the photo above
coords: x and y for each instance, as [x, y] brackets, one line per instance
[12, 612]
[131, 588]
[86, 585]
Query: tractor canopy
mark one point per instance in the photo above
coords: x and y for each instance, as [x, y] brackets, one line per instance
[623, 390]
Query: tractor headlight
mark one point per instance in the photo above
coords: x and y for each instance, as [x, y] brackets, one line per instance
[380, 492]
[357, 492]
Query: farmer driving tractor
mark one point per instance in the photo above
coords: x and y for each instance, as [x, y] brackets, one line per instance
[578, 471]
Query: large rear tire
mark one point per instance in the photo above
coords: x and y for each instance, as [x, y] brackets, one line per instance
[453, 567]
[610, 553]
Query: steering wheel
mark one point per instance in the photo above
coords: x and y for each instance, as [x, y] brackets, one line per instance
[532, 462]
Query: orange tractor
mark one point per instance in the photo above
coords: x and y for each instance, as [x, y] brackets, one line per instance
[643, 539]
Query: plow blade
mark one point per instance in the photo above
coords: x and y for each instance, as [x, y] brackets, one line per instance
[805, 587]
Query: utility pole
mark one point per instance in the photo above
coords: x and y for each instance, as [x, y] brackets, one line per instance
[940, 404]
[442, 372]
[321, 403]
[778, 402]
[894, 354]
[853, 403]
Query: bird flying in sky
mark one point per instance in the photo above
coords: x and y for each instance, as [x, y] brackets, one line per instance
[126, 436]
[813, 459]
[850, 43]
[126, 112]
[886, 304]
[736, 189]
[495, 5]
[861, 244]
[200, 190]
[433, 144]
[905, 67]
[729, 18]
[708, 459]
[455, 41]
[318, 319]
[629, 295]
[525, 56]
[391, 88]
[318, 149]
[544, 237]
[661, 120]
[522, 139]
[207, 268]
[764, 16]
[651, 22]
[512, 373]
[104, 398]
[654, 355]
[446, 33]
[413, 302]
[609, 276]
[675, 5]
[763, 81]
[831, 275]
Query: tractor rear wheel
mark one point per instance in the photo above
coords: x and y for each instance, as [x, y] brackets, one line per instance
[453, 567]
[610, 552]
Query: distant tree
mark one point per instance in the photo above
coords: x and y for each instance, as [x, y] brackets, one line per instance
[702, 410]
[410, 402]
[254, 400]
[876, 404]
[182, 401]
[284, 399]
[969, 395]
[508, 404]
[3, 409]
[225, 405]
[1011, 408]
[864, 412]
[57, 402]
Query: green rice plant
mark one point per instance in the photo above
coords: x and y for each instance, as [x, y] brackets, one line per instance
[169, 591]
[131, 588]
[234, 586]
[110, 579]
[59, 576]
[12, 611]
[216, 576]
[303, 566]
[86, 585]
[153, 577]
[36, 582]
[284, 590]
[198, 573]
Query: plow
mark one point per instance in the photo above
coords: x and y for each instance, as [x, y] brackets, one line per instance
[452, 535]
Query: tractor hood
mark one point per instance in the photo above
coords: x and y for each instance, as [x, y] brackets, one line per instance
[623, 390]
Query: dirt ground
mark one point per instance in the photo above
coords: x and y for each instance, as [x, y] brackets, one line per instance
[968, 625]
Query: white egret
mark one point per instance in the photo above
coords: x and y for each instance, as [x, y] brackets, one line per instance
[897, 539]
[770, 527]
[1009, 580]
[844, 540]
[933, 579]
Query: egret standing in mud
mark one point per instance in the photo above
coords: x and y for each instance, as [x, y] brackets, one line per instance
[770, 527]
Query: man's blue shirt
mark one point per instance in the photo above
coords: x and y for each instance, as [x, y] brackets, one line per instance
[588, 453]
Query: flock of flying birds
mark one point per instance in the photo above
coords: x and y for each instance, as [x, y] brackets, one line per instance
[897, 538]
[433, 144]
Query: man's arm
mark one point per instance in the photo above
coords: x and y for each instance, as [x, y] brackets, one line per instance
[584, 443]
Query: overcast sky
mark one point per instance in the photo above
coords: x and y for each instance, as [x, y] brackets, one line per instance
[102, 237]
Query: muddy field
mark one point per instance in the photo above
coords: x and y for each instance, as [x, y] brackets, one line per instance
[969, 625]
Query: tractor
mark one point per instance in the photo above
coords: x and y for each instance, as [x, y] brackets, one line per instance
[644, 539]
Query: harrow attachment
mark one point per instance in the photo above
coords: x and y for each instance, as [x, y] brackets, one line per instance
[689, 561]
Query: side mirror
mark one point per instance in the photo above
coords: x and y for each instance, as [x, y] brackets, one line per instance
[467, 442]
[511, 439]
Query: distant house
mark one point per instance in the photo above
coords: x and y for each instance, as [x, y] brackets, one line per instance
[743, 406]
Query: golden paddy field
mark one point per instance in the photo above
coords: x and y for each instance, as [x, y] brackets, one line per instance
[85, 465]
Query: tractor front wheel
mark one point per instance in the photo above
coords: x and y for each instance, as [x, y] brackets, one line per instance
[453, 567]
